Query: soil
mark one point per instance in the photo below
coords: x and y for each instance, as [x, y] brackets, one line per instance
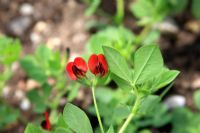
[61, 24]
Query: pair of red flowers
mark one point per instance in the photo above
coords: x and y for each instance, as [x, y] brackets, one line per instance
[96, 63]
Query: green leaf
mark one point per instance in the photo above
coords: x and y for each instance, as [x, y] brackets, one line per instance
[61, 123]
[177, 6]
[29, 64]
[148, 62]
[62, 130]
[196, 9]
[73, 92]
[117, 64]
[119, 38]
[148, 104]
[164, 78]
[32, 129]
[37, 99]
[8, 115]
[100, 94]
[197, 99]
[43, 54]
[142, 8]
[9, 50]
[93, 7]
[123, 84]
[76, 119]
[110, 130]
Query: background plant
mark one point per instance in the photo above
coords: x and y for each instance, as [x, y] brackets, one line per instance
[9, 53]
[10, 50]
[41, 66]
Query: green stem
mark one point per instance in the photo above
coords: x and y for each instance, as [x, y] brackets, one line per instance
[131, 115]
[96, 107]
[143, 33]
[120, 11]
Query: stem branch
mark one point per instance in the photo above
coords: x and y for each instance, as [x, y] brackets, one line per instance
[131, 115]
[96, 108]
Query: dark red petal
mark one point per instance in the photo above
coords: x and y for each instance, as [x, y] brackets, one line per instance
[93, 64]
[80, 64]
[70, 72]
[46, 125]
[103, 61]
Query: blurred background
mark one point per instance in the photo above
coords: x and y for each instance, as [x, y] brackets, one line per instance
[38, 38]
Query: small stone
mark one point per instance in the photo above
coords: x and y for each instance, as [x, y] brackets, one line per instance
[21, 85]
[51, 81]
[15, 66]
[168, 26]
[193, 26]
[25, 104]
[6, 91]
[41, 27]
[185, 38]
[63, 101]
[35, 38]
[19, 94]
[19, 25]
[53, 42]
[195, 83]
[32, 84]
[79, 38]
[80, 95]
[26, 9]
[175, 101]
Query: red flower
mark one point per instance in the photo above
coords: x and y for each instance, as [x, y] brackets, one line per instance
[46, 123]
[77, 69]
[98, 65]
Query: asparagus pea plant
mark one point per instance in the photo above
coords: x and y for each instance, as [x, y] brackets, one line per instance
[146, 77]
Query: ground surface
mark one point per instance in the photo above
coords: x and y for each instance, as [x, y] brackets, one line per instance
[61, 24]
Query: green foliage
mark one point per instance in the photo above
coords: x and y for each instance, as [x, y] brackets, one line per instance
[9, 50]
[195, 8]
[61, 126]
[76, 119]
[164, 77]
[197, 99]
[117, 63]
[185, 121]
[118, 38]
[42, 64]
[33, 69]
[33, 129]
[148, 104]
[7, 115]
[149, 75]
[110, 130]
[147, 62]
[39, 98]
[153, 11]
[93, 6]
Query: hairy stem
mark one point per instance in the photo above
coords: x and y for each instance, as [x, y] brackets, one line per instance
[96, 107]
[131, 115]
